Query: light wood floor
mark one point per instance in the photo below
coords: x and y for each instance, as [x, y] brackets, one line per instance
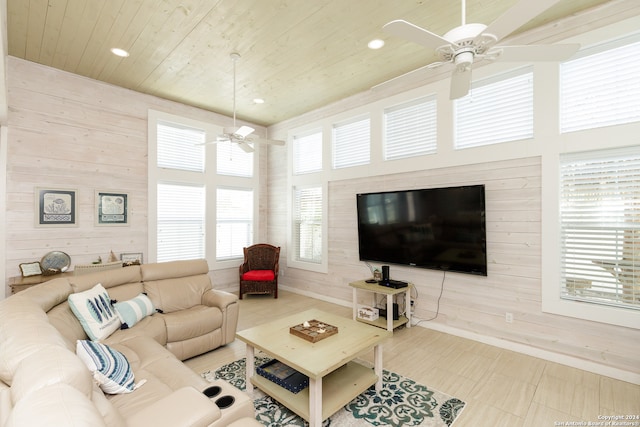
[501, 387]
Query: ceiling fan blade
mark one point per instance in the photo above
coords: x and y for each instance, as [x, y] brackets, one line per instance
[460, 83]
[246, 147]
[535, 53]
[244, 131]
[518, 15]
[413, 33]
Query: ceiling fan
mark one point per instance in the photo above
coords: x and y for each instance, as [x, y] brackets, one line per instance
[468, 44]
[241, 135]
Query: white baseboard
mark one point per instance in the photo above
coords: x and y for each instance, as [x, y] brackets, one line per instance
[563, 359]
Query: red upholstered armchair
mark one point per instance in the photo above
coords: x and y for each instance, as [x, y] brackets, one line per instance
[259, 271]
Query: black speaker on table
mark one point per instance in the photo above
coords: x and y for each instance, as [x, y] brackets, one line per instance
[385, 274]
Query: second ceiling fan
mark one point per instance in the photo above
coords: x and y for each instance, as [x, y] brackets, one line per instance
[467, 44]
[242, 135]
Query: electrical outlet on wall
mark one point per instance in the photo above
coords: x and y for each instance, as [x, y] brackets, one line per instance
[508, 317]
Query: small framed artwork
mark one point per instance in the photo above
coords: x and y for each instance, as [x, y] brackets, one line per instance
[56, 208]
[112, 208]
[131, 257]
[30, 269]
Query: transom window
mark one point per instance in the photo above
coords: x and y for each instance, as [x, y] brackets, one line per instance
[410, 129]
[496, 110]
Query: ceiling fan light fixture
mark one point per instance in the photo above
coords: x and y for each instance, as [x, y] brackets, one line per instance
[463, 60]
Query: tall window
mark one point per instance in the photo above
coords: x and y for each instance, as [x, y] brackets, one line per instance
[180, 206]
[307, 223]
[351, 143]
[496, 110]
[234, 216]
[410, 129]
[601, 88]
[181, 222]
[600, 227]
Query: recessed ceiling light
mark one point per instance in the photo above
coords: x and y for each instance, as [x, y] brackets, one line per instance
[258, 101]
[119, 52]
[375, 44]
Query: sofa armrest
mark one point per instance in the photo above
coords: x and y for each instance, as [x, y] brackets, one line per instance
[228, 304]
[220, 299]
[185, 407]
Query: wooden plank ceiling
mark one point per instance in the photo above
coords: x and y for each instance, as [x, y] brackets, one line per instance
[296, 54]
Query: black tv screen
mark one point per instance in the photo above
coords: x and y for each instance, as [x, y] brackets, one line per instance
[435, 228]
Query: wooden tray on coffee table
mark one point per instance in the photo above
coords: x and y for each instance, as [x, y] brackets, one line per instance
[315, 332]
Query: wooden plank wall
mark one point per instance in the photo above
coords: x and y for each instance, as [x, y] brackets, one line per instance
[67, 131]
[470, 305]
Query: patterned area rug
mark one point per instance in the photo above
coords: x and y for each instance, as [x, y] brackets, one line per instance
[401, 402]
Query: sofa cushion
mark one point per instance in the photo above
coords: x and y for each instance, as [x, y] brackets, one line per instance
[110, 368]
[193, 322]
[24, 330]
[134, 310]
[178, 293]
[50, 365]
[95, 312]
[55, 405]
[259, 275]
[151, 326]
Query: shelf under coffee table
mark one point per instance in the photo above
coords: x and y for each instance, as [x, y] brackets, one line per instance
[334, 378]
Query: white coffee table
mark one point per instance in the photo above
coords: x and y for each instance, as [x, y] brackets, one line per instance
[334, 378]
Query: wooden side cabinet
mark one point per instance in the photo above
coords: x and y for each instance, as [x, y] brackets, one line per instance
[389, 324]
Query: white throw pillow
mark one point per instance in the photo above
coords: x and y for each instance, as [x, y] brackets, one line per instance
[109, 367]
[95, 312]
[134, 310]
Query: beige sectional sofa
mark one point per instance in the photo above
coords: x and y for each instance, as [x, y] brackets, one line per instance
[44, 371]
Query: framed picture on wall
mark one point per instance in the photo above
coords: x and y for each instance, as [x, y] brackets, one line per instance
[56, 207]
[112, 208]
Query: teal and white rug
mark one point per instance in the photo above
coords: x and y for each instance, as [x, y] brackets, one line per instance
[401, 402]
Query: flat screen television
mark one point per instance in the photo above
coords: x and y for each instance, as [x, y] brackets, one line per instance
[435, 228]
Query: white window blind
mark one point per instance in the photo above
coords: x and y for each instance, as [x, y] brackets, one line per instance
[308, 224]
[234, 229]
[495, 110]
[181, 222]
[600, 227]
[233, 160]
[351, 141]
[601, 89]
[307, 153]
[410, 129]
[178, 147]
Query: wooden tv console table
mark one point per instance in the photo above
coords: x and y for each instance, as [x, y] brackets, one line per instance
[389, 324]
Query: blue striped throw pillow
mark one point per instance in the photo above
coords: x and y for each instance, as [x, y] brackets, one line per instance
[134, 310]
[109, 367]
